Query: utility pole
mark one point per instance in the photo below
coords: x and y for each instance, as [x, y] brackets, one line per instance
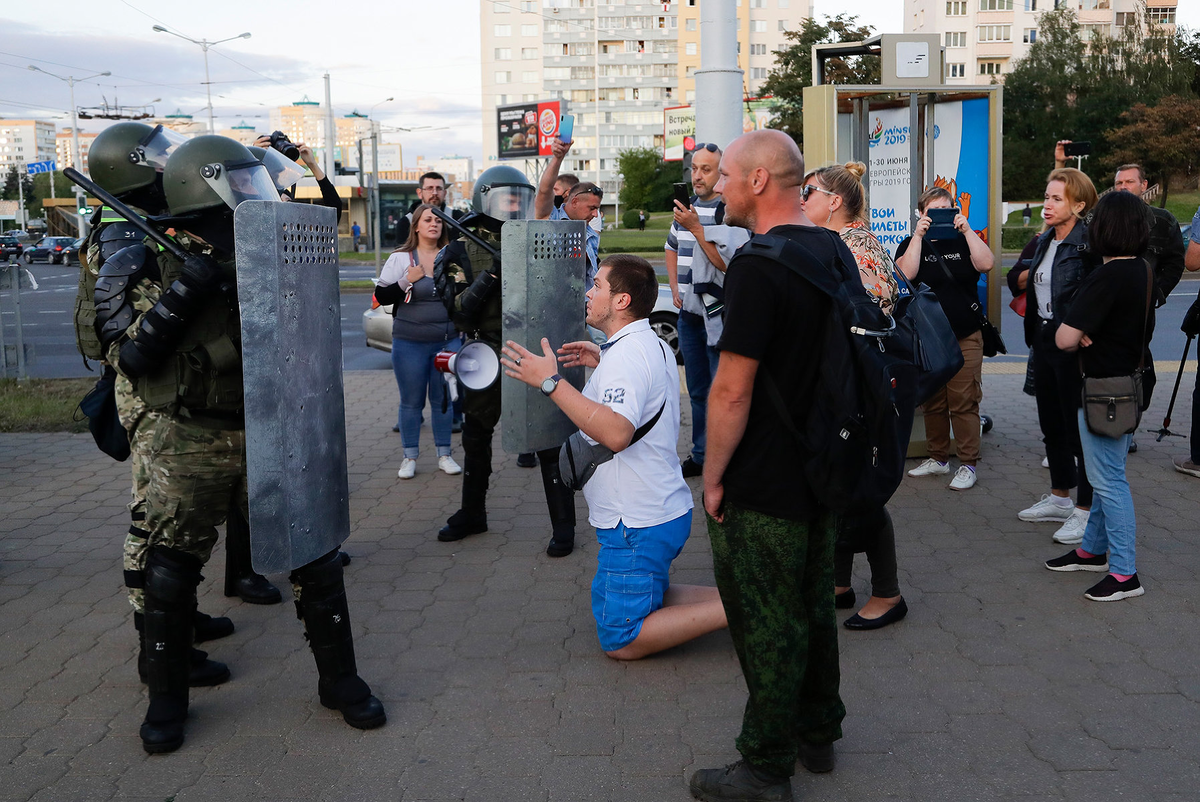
[204, 46]
[330, 131]
[20, 197]
[375, 196]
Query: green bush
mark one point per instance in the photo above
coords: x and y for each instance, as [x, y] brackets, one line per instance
[629, 218]
[1014, 238]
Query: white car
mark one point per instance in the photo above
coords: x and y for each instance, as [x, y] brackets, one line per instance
[377, 323]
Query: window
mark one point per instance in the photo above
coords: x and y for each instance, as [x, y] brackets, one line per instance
[528, 7]
[690, 24]
[989, 68]
[956, 39]
[758, 50]
[529, 53]
[758, 3]
[758, 25]
[995, 33]
[689, 72]
[1031, 5]
[1126, 19]
[783, 25]
[690, 96]
[783, 3]
[758, 73]
[995, 5]
[503, 77]
[578, 49]
[690, 49]
[502, 30]
[1030, 36]
[501, 8]
[557, 73]
[583, 96]
[529, 30]
[1086, 32]
[503, 54]
[956, 8]
[1090, 4]
[957, 70]
[529, 77]
[583, 73]
[1161, 15]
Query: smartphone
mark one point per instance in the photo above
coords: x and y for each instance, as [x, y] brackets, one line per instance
[1078, 149]
[941, 224]
[682, 195]
[566, 127]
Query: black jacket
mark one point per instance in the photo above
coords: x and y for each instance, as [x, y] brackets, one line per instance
[1071, 264]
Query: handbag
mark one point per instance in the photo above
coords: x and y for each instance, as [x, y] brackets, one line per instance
[1112, 406]
[99, 406]
[1019, 303]
[923, 334]
[993, 343]
[578, 459]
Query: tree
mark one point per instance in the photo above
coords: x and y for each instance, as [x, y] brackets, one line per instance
[647, 179]
[10, 190]
[1161, 138]
[793, 68]
[41, 186]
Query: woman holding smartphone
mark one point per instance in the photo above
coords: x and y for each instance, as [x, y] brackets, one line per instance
[951, 268]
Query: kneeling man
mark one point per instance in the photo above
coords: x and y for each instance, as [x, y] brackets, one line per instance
[638, 501]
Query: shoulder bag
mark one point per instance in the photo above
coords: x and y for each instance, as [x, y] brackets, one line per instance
[922, 329]
[993, 343]
[1112, 406]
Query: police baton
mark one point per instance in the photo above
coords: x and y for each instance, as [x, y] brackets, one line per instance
[450, 221]
[133, 217]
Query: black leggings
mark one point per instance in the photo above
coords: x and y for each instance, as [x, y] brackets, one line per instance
[1057, 386]
[873, 533]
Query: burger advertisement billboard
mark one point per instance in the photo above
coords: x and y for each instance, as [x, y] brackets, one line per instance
[526, 130]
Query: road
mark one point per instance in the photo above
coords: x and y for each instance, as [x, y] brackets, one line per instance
[46, 315]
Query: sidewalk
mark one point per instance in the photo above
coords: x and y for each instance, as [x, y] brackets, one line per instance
[1002, 683]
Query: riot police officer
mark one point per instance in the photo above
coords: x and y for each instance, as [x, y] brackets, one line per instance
[468, 280]
[173, 329]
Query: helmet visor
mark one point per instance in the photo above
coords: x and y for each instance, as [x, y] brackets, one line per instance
[284, 172]
[239, 182]
[508, 202]
[156, 147]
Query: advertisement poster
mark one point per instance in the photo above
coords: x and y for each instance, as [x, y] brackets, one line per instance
[680, 122]
[891, 215]
[526, 130]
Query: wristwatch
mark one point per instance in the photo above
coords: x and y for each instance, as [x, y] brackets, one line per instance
[549, 384]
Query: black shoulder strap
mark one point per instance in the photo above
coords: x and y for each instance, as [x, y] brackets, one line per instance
[972, 303]
[645, 428]
[792, 255]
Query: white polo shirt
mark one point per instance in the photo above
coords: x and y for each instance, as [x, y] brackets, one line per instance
[642, 485]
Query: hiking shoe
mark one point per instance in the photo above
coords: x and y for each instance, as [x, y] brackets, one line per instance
[930, 467]
[964, 478]
[739, 782]
[408, 469]
[1112, 589]
[1184, 465]
[1046, 510]
[1071, 532]
[691, 468]
[527, 459]
[449, 466]
[1071, 561]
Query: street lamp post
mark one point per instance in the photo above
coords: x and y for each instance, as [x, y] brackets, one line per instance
[376, 226]
[205, 45]
[76, 161]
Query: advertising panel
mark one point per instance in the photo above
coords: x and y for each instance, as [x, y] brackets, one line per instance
[525, 130]
[679, 123]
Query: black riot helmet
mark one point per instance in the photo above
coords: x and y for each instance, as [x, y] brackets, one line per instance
[213, 173]
[503, 193]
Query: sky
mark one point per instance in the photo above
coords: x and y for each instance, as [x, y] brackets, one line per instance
[423, 55]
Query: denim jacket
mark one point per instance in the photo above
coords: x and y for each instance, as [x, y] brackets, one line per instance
[1071, 264]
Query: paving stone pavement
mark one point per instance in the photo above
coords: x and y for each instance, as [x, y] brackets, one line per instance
[1002, 683]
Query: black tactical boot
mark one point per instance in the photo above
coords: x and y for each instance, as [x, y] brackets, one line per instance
[202, 672]
[323, 608]
[740, 782]
[171, 580]
[471, 519]
[240, 578]
[205, 627]
[561, 503]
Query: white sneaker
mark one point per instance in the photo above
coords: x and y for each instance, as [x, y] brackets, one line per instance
[1071, 532]
[964, 478]
[930, 467]
[1046, 510]
[1045, 462]
[408, 469]
[449, 466]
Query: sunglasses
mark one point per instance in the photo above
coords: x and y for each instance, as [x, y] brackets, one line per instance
[599, 193]
[807, 190]
[710, 147]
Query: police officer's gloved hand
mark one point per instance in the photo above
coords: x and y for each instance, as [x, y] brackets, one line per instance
[495, 268]
[201, 272]
[1191, 320]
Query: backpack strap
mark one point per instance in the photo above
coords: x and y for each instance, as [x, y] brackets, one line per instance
[792, 255]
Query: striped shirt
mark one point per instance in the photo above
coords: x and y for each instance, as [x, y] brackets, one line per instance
[680, 240]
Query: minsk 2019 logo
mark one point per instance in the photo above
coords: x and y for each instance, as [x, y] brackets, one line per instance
[877, 133]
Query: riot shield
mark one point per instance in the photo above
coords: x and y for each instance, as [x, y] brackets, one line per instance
[287, 275]
[543, 296]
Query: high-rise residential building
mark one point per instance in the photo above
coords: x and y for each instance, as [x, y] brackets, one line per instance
[983, 38]
[25, 141]
[461, 167]
[182, 123]
[304, 121]
[243, 132]
[64, 148]
[761, 25]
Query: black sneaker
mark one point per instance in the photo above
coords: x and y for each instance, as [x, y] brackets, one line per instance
[739, 782]
[1112, 589]
[527, 460]
[691, 468]
[1073, 562]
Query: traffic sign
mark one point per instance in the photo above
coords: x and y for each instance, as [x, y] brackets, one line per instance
[41, 167]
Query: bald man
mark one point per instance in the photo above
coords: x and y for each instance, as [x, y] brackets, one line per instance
[772, 539]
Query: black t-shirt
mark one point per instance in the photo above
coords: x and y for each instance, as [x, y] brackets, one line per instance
[776, 317]
[1110, 307]
[954, 296]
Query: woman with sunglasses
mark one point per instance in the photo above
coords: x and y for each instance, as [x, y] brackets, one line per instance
[833, 198]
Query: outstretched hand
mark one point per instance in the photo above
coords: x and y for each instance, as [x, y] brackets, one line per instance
[525, 366]
[579, 354]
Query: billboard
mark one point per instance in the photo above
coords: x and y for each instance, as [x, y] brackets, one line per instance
[525, 130]
[679, 123]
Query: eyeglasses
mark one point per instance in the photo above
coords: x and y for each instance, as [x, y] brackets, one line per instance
[710, 147]
[807, 190]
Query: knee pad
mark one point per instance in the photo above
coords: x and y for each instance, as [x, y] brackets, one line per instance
[171, 576]
[323, 572]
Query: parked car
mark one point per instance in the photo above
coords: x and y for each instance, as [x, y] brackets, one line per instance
[47, 249]
[664, 319]
[10, 247]
[70, 254]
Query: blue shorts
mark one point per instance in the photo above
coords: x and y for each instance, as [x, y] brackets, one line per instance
[631, 577]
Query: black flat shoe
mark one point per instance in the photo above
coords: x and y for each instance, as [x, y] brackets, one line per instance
[844, 601]
[893, 615]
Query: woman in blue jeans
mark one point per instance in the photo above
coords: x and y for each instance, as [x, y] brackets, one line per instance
[420, 329]
[1110, 322]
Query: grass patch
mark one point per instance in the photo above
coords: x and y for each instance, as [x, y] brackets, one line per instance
[358, 285]
[42, 405]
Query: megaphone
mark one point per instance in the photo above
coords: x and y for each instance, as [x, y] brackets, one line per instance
[477, 365]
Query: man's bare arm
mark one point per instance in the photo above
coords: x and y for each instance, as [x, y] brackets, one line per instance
[728, 412]
[543, 203]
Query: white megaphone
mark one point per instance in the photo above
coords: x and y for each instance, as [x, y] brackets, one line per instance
[477, 365]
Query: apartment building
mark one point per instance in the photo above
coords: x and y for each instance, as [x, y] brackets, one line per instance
[304, 121]
[64, 149]
[24, 141]
[983, 38]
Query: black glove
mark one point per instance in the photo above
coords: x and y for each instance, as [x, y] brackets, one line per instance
[495, 268]
[1191, 320]
[201, 272]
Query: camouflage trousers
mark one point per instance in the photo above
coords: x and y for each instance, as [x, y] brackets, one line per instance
[776, 582]
[131, 410]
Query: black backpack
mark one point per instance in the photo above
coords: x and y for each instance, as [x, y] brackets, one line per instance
[854, 438]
